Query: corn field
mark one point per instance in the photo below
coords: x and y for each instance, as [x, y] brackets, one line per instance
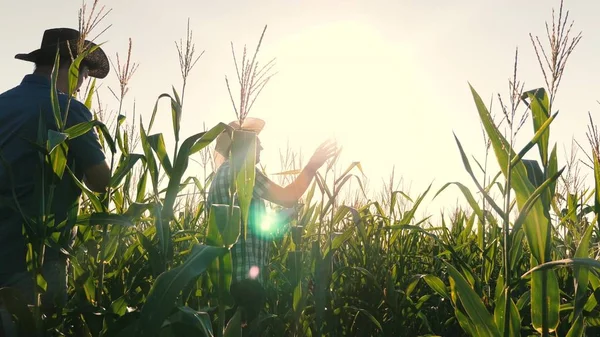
[151, 260]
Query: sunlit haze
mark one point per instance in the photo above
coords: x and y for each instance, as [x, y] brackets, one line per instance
[387, 79]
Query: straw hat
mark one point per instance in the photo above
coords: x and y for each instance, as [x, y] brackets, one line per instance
[223, 144]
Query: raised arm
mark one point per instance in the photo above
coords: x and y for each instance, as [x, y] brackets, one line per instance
[288, 196]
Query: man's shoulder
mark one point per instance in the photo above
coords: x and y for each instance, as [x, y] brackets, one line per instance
[75, 106]
[9, 92]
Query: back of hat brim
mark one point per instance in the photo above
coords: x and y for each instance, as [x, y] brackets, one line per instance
[26, 57]
[97, 60]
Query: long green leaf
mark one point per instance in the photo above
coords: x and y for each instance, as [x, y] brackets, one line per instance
[163, 294]
[110, 249]
[540, 112]
[209, 137]
[243, 159]
[96, 203]
[74, 68]
[234, 326]
[470, 199]
[199, 321]
[545, 292]
[181, 164]
[223, 227]
[499, 314]
[536, 225]
[104, 219]
[90, 95]
[81, 128]
[473, 305]
[485, 194]
[58, 159]
[157, 143]
[125, 167]
[532, 200]
[55, 138]
[437, 285]
[54, 92]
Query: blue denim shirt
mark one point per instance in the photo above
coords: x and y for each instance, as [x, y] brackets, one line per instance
[21, 109]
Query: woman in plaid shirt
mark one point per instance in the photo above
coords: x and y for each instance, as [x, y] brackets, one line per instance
[251, 257]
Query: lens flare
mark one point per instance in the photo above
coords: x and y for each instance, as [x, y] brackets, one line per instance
[253, 273]
[268, 222]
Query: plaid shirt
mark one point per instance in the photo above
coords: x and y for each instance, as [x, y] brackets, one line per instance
[250, 255]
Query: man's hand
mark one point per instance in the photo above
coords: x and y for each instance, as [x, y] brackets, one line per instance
[324, 152]
[97, 177]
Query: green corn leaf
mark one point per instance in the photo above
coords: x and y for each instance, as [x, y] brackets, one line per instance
[297, 297]
[58, 149]
[136, 209]
[181, 164]
[581, 273]
[104, 219]
[155, 259]
[596, 161]
[74, 68]
[141, 186]
[157, 143]
[577, 329]
[199, 321]
[90, 95]
[533, 200]
[58, 159]
[176, 110]
[163, 232]
[110, 249]
[55, 139]
[536, 225]
[223, 225]
[475, 309]
[486, 195]
[94, 200]
[367, 314]
[545, 300]
[81, 128]
[243, 160]
[125, 167]
[119, 306]
[106, 136]
[409, 216]
[581, 278]
[167, 287]
[234, 326]
[576, 261]
[540, 112]
[150, 160]
[552, 169]
[534, 140]
[499, 316]
[465, 323]
[222, 268]
[54, 93]
[470, 199]
[437, 285]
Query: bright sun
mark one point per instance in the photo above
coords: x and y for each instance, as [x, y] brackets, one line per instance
[342, 80]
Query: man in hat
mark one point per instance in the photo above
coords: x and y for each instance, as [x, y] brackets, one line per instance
[250, 256]
[22, 108]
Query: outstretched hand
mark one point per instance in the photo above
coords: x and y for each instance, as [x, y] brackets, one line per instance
[324, 152]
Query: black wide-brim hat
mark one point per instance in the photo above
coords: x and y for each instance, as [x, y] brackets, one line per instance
[65, 40]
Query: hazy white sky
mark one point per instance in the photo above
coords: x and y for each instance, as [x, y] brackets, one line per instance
[389, 79]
